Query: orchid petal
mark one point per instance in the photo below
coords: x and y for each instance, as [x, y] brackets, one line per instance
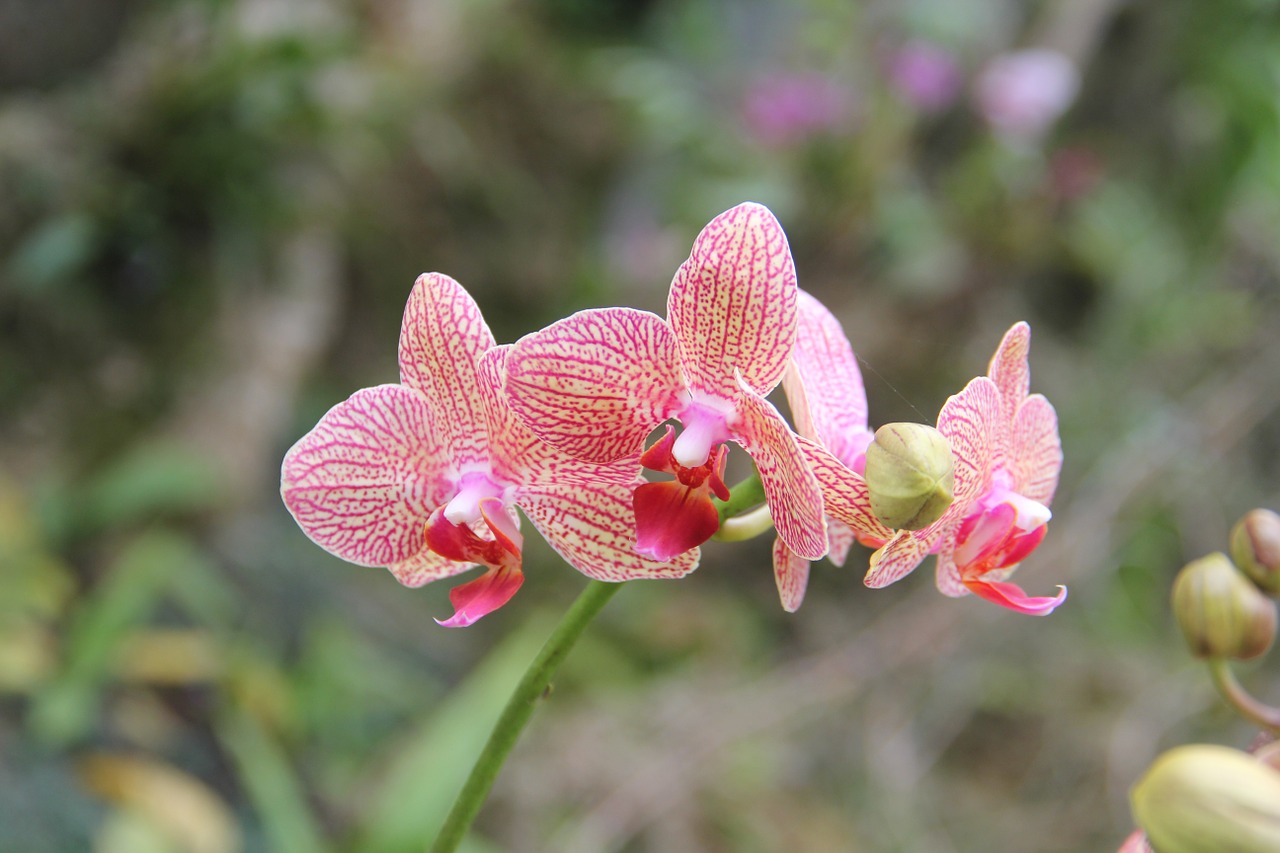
[442, 338]
[459, 542]
[595, 384]
[733, 303]
[427, 566]
[823, 384]
[792, 575]
[517, 454]
[1010, 370]
[592, 526]
[1036, 450]
[791, 489]
[898, 557]
[363, 481]
[482, 596]
[1011, 596]
[844, 493]
[672, 518]
[947, 575]
[840, 538]
[970, 421]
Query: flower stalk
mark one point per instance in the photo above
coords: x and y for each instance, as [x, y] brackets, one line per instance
[519, 709]
[1252, 709]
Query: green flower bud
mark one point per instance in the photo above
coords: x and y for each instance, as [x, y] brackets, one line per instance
[1255, 547]
[1221, 613]
[1208, 799]
[910, 475]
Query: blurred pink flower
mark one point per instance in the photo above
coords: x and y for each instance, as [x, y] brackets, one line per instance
[597, 383]
[1007, 458]
[785, 109]
[1135, 843]
[925, 75]
[1022, 94]
[423, 477]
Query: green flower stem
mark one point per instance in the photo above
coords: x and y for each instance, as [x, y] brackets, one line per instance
[1224, 679]
[532, 687]
[742, 497]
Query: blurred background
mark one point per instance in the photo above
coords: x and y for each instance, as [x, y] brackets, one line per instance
[214, 211]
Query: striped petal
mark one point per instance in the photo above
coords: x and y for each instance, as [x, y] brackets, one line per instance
[426, 566]
[844, 493]
[840, 538]
[947, 577]
[792, 491]
[441, 340]
[792, 575]
[823, 384]
[363, 482]
[595, 384]
[970, 421]
[517, 454]
[593, 527]
[899, 557]
[733, 303]
[1036, 450]
[1010, 370]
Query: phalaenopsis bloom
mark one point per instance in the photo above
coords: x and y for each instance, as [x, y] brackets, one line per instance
[1007, 458]
[424, 476]
[597, 383]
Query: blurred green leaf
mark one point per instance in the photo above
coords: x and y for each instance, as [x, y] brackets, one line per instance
[53, 253]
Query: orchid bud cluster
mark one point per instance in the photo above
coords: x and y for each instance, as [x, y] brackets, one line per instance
[425, 476]
[1200, 798]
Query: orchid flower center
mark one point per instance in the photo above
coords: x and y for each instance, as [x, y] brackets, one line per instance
[473, 487]
[706, 424]
[1002, 530]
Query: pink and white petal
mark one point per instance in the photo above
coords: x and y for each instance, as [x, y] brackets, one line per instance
[840, 539]
[1036, 450]
[897, 559]
[792, 575]
[1014, 598]
[1010, 370]
[947, 575]
[791, 489]
[596, 383]
[362, 483]
[517, 455]
[823, 384]
[844, 493]
[733, 303]
[442, 338]
[478, 598]
[593, 527]
[971, 423]
[426, 566]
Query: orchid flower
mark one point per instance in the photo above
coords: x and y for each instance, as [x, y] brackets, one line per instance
[829, 406]
[1007, 458]
[423, 477]
[597, 383]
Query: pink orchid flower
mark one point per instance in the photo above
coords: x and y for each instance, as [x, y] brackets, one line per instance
[829, 406]
[599, 382]
[423, 477]
[1007, 458]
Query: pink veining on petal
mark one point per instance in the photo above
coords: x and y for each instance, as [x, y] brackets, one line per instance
[792, 490]
[970, 421]
[823, 384]
[1010, 368]
[1036, 450]
[363, 481]
[840, 538]
[844, 492]
[442, 337]
[733, 303]
[899, 557]
[592, 525]
[791, 574]
[426, 566]
[596, 383]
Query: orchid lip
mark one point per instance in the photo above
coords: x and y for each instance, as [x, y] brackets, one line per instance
[473, 487]
[706, 424]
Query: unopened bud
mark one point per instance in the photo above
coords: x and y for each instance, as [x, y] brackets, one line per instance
[910, 475]
[1255, 547]
[1221, 613]
[1208, 799]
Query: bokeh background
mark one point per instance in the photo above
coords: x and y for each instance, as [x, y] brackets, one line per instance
[213, 211]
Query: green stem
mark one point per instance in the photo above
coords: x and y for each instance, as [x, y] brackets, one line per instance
[506, 731]
[1264, 715]
[742, 497]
